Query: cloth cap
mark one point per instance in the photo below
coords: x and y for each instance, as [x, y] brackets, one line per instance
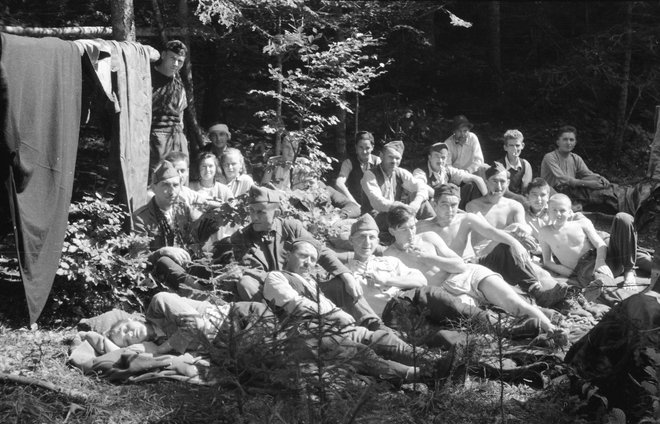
[461, 121]
[164, 171]
[288, 246]
[364, 223]
[446, 189]
[438, 147]
[262, 195]
[396, 145]
[221, 128]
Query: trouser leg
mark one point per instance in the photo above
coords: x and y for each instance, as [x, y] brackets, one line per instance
[469, 192]
[500, 260]
[425, 211]
[622, 249]
[388, 345]
[247, 315]
[359, 308]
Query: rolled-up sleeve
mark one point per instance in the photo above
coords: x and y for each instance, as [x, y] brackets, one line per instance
[374, 193]
[413, 185]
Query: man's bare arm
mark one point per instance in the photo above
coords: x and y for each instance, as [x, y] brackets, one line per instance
[599, 244]
[548, 261]
[481, 226]
[444, 257]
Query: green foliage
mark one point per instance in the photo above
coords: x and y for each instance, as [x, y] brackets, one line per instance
[101, 266]
[322, 83]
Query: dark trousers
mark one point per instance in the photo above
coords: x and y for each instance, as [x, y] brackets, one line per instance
[500, 260]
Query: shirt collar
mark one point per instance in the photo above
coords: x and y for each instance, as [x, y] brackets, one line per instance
[510, 166]
[538, 214]
[460, 143]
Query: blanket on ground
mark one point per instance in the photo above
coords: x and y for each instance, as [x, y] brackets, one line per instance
[128, 364]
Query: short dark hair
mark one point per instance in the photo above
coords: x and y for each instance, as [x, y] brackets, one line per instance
[399, 215]
[364, 135]
[206, 155]
[565, 129]
[176, 157]
[495, 168]
[438, 147]
[537, 182]
[176, 46]
[446, 189]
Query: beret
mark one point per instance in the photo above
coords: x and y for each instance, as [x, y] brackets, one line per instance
[262, 195]
[315, 244]
[364, 223]
[164, 171]
[396, 145]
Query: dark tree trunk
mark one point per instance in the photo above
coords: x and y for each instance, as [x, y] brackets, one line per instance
[123, 20]
[195, 134]
[495, 48]
[625, 85]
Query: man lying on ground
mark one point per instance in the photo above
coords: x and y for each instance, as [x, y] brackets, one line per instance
[508, 257]
[177, 324]
[260, 246]
[473, 286]
[582, 253]
[293, 292]
[509, 215]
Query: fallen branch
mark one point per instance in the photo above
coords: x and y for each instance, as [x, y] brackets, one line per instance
[30, 381]
[103, 32]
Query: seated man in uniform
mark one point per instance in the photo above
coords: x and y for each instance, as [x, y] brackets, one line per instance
[471, 285]
[260, 246]
[567, 173]
[509, 215]
[438, 171]
[354, 167]
[386, 186]
[175, 227]
[293, 292]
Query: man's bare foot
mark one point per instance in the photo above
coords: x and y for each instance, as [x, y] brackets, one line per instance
[629, 280]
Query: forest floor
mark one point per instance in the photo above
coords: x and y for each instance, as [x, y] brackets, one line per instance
[41, 353]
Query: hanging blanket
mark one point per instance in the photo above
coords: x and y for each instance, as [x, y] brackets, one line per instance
[43, 77]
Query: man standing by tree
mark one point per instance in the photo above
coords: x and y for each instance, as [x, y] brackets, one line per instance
[168, 103]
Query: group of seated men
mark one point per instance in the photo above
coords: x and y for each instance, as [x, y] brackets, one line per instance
[450, 238]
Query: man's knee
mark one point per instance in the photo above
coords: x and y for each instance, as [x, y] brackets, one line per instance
[250, 288]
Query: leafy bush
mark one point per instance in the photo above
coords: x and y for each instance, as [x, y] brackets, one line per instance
[101, 266]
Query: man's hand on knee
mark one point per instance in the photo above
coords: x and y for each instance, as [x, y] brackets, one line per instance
[353, 288]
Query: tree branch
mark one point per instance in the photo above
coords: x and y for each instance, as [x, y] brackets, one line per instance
[30, 381]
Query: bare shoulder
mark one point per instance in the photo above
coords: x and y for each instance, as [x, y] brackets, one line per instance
[430, 237]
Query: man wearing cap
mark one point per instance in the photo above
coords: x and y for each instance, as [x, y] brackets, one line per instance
[168, 101]
[173, 226]
[220, 136]
[293, 292]
[464, 146]
[438, 171]
[387, 185]
[381, 277]
[260, 246]
[508, 257]
[509, 215]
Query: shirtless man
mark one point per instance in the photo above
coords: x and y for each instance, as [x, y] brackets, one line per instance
[509, 215]
[508, 257]
[471, 285]
[581, 252]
